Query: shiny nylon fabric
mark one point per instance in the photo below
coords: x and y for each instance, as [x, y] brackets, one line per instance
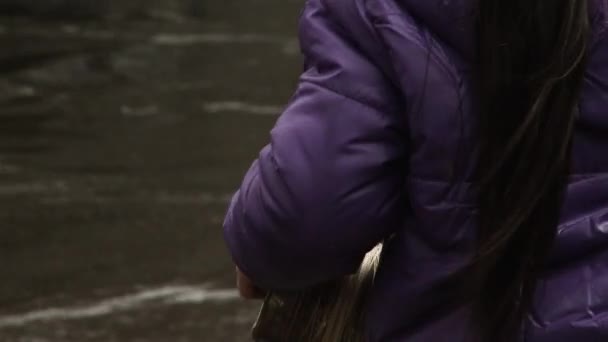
[377, 141]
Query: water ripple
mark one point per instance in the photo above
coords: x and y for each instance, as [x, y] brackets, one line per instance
[243, 107]
[217, 38]
[167, 295]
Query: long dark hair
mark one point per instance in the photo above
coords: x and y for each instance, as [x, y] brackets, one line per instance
[531, 58]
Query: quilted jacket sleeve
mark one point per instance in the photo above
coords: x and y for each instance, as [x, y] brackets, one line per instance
[329, 186]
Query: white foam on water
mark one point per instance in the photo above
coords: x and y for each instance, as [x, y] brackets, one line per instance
[236, 106]
[203, 199]
[8, 169]
[167, 295]
[292, 48]
[56, 187]
[167, 16]
[162, 198]
[215, 38]
[144, 111]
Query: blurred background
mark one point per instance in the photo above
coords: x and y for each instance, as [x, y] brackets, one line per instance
[125, 125]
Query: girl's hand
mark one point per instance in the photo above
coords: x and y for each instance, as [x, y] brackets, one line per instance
[246, 288]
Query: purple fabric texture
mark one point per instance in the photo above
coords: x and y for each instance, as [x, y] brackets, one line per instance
[377, 141]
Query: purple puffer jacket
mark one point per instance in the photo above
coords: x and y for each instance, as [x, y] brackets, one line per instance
[377, 131]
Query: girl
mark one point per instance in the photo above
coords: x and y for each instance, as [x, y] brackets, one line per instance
[472, 138]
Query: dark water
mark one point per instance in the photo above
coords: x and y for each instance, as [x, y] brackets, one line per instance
[121, 138]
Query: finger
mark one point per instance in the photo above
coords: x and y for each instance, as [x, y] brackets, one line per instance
[247, 289]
